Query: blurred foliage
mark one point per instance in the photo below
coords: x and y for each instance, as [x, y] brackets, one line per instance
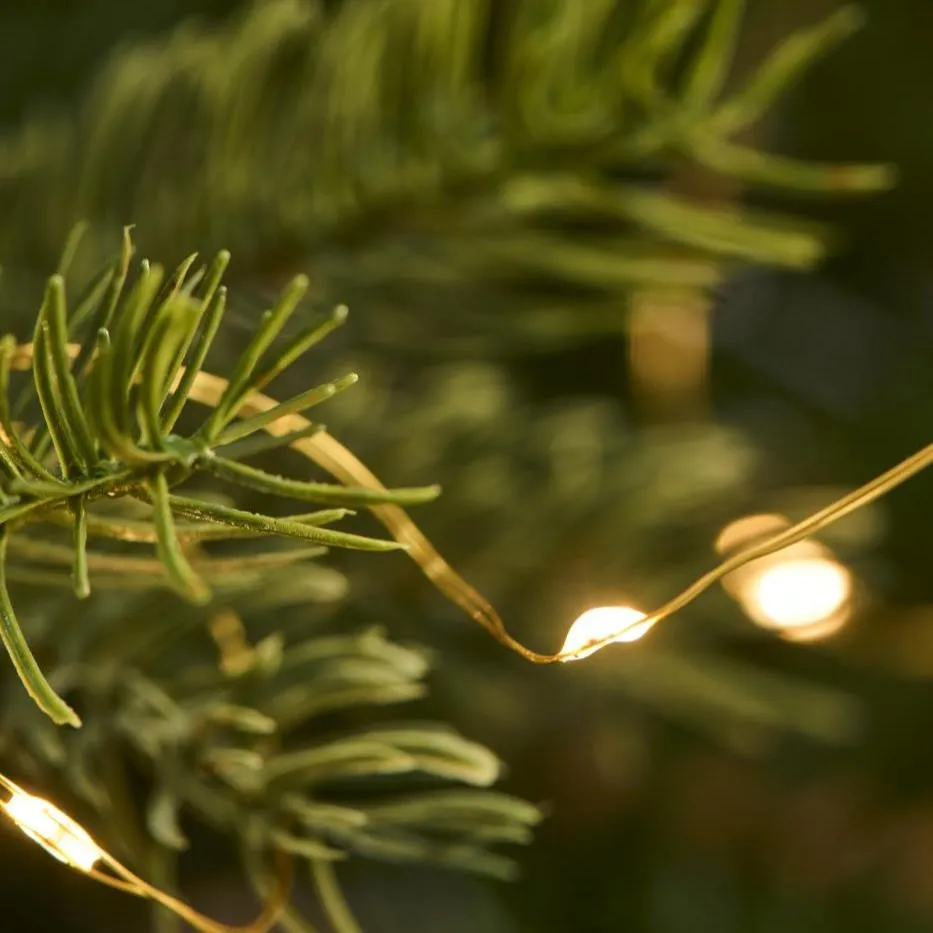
[510, 162]
[267, 748]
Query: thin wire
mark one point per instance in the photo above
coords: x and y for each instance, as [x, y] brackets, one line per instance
[332, 456]
[262, 924]
[290, 920]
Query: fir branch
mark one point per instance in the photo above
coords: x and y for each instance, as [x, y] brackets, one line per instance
[117, 439]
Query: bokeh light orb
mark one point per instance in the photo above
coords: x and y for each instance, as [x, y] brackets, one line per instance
[798, 593]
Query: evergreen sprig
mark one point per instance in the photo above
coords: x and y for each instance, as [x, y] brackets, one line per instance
[111, 380]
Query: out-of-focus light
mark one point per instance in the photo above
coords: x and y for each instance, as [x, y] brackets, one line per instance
[55, 831]
[621, 623]
[797, 594]
[802, 592]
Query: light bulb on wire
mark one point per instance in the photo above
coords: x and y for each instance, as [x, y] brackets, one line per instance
[802, 592]
[621, 623]
[56, 832]
[797, 594]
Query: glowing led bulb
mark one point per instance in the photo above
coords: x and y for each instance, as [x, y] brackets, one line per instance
[56, 832]
[798, 593]
[620, 623]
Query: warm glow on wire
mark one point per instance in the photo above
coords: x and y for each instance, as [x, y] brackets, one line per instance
[55, 831]
[799, 593]
[802, 592]
[620, 623]
[64, 839]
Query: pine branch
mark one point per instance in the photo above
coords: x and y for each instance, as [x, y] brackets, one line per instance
[109, 424]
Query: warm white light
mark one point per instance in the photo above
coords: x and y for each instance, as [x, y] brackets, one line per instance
[798, 593]
[801, 591]
[56, 832]
[620, 623]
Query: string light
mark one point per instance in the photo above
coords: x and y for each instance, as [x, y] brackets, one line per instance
[589, 632]
[55, 831]
[799, 593]
[70, 843]
[802, 591]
